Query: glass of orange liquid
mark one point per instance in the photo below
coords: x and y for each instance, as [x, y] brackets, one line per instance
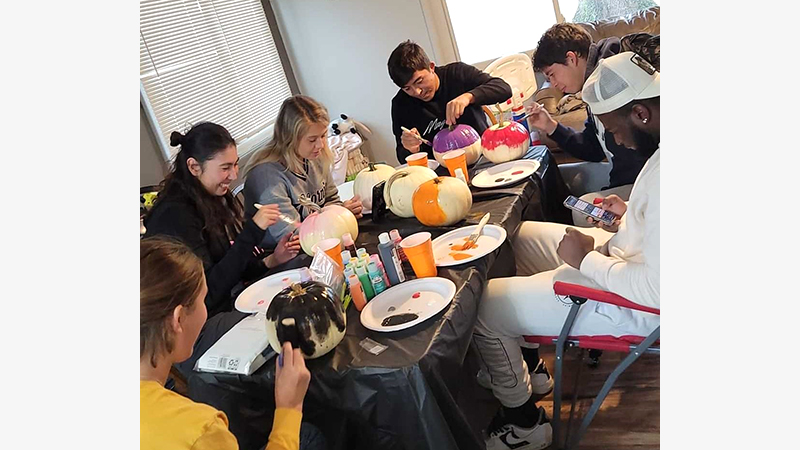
[419, 251]
[417, 159]
[454, 160]
[333, 248]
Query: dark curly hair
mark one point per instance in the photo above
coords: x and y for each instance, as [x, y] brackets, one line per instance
[222, 216]
[557, 41]
[406, 58]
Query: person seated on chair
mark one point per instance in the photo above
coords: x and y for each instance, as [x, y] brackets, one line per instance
[567, 56]
[624, 259]
[295, 164]
[197, 207]
[172, 310]
[431, 97]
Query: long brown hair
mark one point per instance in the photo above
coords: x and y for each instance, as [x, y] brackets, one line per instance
[297, 113]
[222, 216]
[169, 275]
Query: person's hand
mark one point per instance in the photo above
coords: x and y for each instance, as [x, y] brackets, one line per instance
[355, 206]
[409, 141]
[539, 118]
[456, 106]
[291, 378]
[288, 247]
[574, 246]
[615, 205]
[266, 216]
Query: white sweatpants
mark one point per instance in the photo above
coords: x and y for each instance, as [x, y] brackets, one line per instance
[527, 305]
[624, 192]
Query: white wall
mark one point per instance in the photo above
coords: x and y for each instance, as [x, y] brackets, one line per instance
[339, 49]
[152, 167]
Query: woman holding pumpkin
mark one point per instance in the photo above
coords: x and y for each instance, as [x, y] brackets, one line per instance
[294, 168]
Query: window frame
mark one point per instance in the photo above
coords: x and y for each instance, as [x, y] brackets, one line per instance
[255, 141]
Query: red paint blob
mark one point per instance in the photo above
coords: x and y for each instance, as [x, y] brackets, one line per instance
[517, 172]
[416, 295]
[260, 302]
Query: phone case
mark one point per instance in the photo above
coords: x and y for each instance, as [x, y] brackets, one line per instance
[379, 210]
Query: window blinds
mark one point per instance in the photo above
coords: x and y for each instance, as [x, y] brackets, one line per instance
[210, 60]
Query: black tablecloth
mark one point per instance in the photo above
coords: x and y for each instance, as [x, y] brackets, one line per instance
[403, 398]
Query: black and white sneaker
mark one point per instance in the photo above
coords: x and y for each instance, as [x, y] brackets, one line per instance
[508, 436]
[541, 381]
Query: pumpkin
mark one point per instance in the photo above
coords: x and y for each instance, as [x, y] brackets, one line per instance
[331, 221]
[399, 189]
[442, 201]
[505, 141]
[459, 137]
[367, 179]
[308, 314]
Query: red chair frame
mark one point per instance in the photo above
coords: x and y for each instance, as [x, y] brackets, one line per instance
[635, 346]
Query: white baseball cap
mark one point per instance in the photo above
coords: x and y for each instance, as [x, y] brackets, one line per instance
[618, 80]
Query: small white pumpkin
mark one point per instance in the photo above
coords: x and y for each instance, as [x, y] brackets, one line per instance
[367, 179]
[400, 187]
[332, 221]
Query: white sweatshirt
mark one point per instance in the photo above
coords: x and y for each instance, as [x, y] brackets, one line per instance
[632, 270]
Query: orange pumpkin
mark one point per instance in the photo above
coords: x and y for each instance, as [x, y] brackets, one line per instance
[441, 201]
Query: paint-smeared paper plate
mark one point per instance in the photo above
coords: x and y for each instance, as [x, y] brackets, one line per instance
[407, 304]
[447, 251]
[259, 295]
[505, 174]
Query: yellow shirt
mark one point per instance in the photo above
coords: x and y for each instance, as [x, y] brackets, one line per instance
[168, 420]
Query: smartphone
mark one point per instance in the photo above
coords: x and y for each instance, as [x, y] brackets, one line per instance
[378, 203]
[595, 212]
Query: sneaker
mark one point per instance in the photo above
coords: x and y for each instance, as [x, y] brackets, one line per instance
[508, 436]
[541, 381]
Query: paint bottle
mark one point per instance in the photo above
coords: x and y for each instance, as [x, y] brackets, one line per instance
[408, 271]
[361, 252]
[363, 277]
[377, 260]
[376, 278]
[346, 257]
[348, 244]
[347, 272]
[391, 260]
[357, 292]
[518, 109]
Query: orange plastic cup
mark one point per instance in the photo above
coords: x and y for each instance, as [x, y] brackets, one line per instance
[333, 248]
[419, 251]
[418, 159]
[456, 159]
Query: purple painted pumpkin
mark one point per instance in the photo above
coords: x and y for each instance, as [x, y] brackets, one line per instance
[461, 137]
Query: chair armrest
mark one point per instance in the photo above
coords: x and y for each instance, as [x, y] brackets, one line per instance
[597, 295]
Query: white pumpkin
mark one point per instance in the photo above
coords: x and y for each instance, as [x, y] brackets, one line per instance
[332, 221]
[442, 201]
[367, 179]
[400, 187]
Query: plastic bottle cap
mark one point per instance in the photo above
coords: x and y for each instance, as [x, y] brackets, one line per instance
[361, 252]
[347, 239]
[395, 235]
[372, 267]
[383, 238]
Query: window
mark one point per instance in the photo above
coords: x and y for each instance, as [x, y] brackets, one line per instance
[514, 26]
[210, 60]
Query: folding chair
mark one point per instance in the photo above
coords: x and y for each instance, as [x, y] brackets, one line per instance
[635, 346]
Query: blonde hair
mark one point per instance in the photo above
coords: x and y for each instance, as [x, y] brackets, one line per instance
[297, 113]
[170, 274]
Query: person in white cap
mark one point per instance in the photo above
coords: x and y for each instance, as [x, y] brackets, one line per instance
[624, 93]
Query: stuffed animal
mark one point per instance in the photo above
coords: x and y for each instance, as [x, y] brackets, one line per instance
[343, 125]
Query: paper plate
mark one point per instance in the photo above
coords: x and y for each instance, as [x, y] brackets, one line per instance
[259, 295]
[432, 164]
[424, 297]
[505, 174]
[345, 190]
[444, 255]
